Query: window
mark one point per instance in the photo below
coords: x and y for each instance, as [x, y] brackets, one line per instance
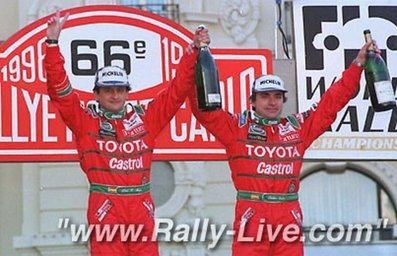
[135, 2]
[160, 7]
[347, 198]
[162, 182]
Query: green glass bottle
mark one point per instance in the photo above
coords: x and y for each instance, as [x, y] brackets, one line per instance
[207, 81]
[378, 79]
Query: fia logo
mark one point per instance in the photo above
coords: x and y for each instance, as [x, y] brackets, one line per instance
[327, 27]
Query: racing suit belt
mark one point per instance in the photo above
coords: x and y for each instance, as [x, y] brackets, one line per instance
[267, 197]
[119, 190]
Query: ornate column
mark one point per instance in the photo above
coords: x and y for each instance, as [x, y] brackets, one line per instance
[185, 205]
[51, 191]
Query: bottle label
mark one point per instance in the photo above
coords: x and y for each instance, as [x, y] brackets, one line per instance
[214, 98]
[384, 91]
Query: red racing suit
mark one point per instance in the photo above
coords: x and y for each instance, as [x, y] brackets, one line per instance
[116, 153]
[265, 158]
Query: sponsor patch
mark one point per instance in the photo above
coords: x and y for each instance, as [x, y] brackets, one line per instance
[270, 122]
[276, 151]
[103, 210]
[149, 207]
[242, 120]
[285, 129]
[106, 126]
[292, 187]
[133, 125]
[275, 169]
[126, 165]
[246, 216]
[132, 122]
[297, 216]
[104, 133]
[106, 129]
[287, 132]
[257, 130]
[144, 180]
[290, 137]
[256, 137]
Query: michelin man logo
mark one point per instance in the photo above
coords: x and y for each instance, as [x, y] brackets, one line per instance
[331, 28]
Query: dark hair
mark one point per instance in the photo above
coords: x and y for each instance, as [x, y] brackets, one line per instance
[252, 98]
[96, 88]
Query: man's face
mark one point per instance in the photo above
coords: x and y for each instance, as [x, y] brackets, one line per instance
[112, 98]
[269, 105]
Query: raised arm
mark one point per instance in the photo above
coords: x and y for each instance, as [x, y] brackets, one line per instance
[320, 118]
[55, 25]
[221, 124]
[164, 106]
[59, 89]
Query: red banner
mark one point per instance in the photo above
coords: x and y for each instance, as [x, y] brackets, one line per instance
[148, 46]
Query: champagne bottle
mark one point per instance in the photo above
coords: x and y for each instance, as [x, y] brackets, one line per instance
[207, 82]
[378, 79]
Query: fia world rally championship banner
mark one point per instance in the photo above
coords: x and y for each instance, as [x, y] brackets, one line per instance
[148, 46]
[329, 36]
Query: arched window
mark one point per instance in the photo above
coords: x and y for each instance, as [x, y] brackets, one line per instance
[162, 182]
[347, 197]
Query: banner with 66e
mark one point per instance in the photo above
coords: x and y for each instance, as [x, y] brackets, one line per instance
[149, 47]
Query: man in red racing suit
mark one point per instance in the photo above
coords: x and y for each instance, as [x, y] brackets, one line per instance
[115, 148]
[265, 153]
